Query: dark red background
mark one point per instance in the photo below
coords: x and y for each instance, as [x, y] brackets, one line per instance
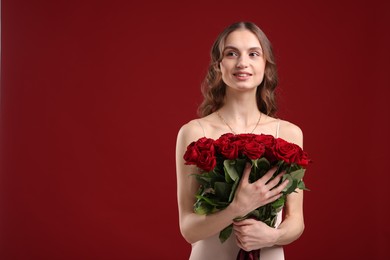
[94, 92]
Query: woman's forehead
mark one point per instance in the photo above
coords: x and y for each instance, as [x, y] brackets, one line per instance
[242, 39]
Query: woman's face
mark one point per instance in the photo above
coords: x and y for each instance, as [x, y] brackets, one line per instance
[243, 63]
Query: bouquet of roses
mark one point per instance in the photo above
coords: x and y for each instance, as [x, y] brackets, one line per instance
[222, 162]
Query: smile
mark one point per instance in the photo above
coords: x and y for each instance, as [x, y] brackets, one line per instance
[242, 74]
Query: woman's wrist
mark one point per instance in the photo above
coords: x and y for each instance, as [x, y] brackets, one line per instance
[235, 211]
[278, 235]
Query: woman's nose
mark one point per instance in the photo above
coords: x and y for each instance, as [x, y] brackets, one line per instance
[242, 62]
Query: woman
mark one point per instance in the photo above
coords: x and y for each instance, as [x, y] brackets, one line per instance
[239, 98]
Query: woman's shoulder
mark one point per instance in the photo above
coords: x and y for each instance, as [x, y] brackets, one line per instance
[290, 132]
[190, 126]
[290, 128]
[191, 131]
[199, 126]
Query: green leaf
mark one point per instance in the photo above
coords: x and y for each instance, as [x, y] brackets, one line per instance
[290, 182]
[263, 164]
[240, 166]
[278, 203]
[281, 167]
[293, 167]
[208, 200]
[301, 185]
[225, 233]
[233, 191]
[292, 188]
[298, 174]
[203, 208]
[222, 190]
[231, 173]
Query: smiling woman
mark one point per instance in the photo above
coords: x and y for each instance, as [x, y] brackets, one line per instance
[222, 51]
[243, 65]
[239, 98]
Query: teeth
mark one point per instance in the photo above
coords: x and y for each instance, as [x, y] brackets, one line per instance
[242, 75]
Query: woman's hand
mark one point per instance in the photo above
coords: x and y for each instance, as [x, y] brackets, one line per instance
[252, 234]
[250, 196]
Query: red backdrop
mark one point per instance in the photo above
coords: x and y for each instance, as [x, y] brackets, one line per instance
[94, 92]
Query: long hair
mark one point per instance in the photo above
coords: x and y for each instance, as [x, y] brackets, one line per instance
[214, 89]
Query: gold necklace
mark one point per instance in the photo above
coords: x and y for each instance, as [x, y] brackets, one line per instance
[231, 129]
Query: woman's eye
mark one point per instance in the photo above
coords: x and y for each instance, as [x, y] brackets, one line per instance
[254, 54]
[231, 54]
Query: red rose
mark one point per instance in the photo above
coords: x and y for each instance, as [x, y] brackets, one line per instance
[227, 146]
[288, 152]
[253, 150]
[201, 153]
[246, 137]
[229, 149]
[303, 159]
[223, 140]
[192, 154]
[267, 140]
[205, 143]
[226, 136]
[207, 161]
[242, 140]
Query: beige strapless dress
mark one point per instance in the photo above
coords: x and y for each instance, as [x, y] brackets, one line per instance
[212, 249]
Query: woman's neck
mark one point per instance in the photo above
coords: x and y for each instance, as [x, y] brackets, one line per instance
[240, 109]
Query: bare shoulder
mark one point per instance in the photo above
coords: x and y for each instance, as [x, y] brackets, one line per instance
[189, 132]
[291, 132]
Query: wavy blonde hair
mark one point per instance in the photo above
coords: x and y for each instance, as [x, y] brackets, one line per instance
[213, 88]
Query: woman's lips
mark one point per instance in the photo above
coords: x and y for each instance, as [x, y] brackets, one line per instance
[242, 75]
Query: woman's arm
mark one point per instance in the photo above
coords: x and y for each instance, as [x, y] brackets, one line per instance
[253, 234]
[249, 196]
[192, 226]
[293, 224]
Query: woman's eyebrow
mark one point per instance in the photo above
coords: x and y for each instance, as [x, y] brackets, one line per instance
[259, 49]
[236, 49]
[230, 48]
